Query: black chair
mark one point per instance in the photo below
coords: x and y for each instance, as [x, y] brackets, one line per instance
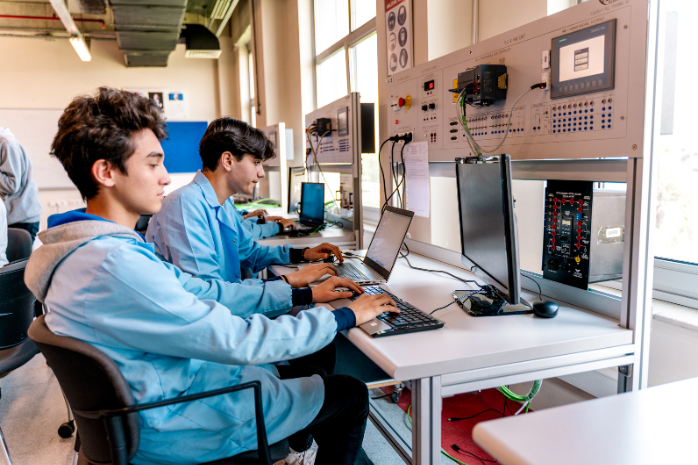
[142, 224]
[16, 314]
[19, 244]
[104, 408]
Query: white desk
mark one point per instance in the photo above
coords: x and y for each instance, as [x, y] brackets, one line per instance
[647, 427]
[471, 353]
[341, 237]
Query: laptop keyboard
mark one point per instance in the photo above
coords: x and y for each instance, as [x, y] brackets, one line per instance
[410, 319]
[347, 270]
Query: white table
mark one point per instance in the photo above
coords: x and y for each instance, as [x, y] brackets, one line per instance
[341, 237]
[471, 353]
[648, 427]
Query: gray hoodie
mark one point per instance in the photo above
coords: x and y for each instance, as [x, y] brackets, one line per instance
[61, 241]
[16, 184]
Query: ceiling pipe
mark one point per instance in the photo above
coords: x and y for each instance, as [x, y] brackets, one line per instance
[54, 18]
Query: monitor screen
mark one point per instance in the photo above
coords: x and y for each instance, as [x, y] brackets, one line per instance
[583, 61]
[296, 178]
[388, 238]
[312, 203]
[488, 230]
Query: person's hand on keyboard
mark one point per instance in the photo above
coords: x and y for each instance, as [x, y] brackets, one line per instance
[284, 224]
[310, 273]
[326, 292]
[323, 251]
[367, 307]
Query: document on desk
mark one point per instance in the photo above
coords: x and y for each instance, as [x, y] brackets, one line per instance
[417, 178]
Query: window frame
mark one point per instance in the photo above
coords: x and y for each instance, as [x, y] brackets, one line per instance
[346, 42]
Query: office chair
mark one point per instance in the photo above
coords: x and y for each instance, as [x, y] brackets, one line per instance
[16, 314]
[104, 408]
[142, 224]
[19, 244]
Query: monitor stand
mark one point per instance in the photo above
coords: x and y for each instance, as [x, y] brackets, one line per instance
[491, 303]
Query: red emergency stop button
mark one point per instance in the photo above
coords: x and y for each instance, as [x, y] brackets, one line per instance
[401, 102]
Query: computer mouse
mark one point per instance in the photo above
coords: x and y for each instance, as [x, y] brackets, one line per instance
[261, 220]
[329, 259]
[545, 309]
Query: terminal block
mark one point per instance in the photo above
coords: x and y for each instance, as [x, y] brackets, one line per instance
[483, 84]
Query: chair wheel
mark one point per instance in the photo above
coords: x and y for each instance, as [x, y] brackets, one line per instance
[396, 396]
[67, 429]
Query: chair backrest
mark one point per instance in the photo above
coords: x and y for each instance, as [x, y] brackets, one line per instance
[19, 244]
[16, 305]
[91, 381]
[142, 223]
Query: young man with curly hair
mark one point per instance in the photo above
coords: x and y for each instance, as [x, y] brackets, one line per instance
[172, 334]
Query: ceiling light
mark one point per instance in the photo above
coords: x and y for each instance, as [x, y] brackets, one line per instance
[66, 19]
[80, 46]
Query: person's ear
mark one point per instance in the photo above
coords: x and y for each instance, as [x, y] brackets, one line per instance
[226, 161]
[103, 173]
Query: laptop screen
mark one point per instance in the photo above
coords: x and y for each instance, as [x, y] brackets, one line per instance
[387, 240]
[312, 203]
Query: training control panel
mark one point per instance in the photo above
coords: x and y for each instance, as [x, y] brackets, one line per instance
[584, 233]
[570, 85]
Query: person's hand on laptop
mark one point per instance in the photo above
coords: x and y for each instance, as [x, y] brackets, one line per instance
[326, 292]
[284, 223]
[310, 273]
[323, 251]
[368, 306]
[255, 213]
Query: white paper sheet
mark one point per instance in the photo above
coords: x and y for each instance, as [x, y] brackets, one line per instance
[417, 178]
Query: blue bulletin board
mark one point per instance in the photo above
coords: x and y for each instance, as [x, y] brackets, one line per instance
[182, 146]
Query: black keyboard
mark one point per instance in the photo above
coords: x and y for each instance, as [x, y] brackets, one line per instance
[347, 270]
[410, 319]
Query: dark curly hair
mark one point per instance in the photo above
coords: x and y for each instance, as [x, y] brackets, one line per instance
[237, 137]
[101, 128]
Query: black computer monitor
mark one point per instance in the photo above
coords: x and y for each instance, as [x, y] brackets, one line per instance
[296, 177]
[488, 232]
[312, 203]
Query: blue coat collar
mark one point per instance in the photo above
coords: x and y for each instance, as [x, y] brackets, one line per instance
[223, 216]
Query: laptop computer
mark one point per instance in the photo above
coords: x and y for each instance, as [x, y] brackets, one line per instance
[383, 251]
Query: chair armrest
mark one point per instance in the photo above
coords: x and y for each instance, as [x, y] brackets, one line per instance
[112, 417]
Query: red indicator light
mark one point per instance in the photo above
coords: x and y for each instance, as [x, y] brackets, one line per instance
[431, 85]
[395, 121]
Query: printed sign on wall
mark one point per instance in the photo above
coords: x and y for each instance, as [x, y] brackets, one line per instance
[398, 30]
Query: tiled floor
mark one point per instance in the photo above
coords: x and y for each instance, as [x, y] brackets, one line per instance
[32, 409]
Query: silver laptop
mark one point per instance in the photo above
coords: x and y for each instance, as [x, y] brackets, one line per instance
[383, 251]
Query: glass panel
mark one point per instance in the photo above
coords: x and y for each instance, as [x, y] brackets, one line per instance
[364, 79]
[253, 105]
[331, 79]
[676, 234]
[361, 12]
[331, 22]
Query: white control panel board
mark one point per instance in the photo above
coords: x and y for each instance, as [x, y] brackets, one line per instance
[336, 146]
[282, 138]
[577, 116]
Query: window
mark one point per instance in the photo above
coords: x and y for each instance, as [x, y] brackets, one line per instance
[347, 62]
[250, 78]
[675, 238]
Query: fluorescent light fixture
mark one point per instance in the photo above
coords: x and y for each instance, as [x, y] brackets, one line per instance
[220, 9]
[78, 43]
[66, 19]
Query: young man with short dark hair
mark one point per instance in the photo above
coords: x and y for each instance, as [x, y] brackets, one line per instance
[198, 229]
[172, 334]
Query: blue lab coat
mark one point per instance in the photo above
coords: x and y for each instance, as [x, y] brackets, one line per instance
[257, 231]
[173, 335]
[193, 231]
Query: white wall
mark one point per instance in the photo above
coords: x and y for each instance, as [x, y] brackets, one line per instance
[47, 74]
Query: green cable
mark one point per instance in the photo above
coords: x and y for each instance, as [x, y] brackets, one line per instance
[518, 398]
[442, 450]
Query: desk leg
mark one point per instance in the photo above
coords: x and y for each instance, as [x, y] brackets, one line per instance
[426, 421]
